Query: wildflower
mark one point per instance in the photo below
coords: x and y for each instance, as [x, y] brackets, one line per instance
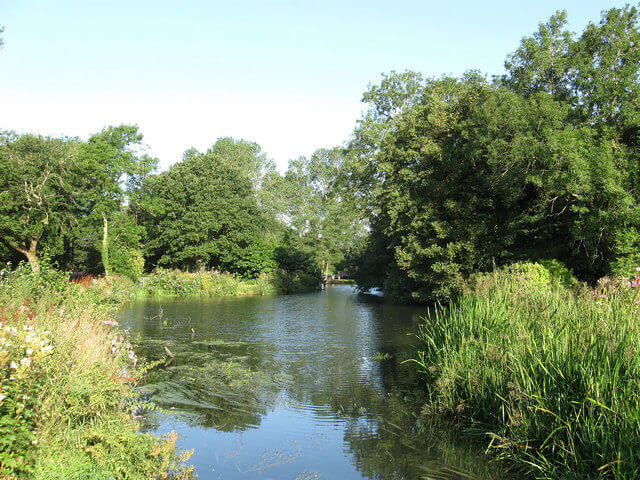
[29, 351]
[25, 362]
[14, 365]
[2, 397]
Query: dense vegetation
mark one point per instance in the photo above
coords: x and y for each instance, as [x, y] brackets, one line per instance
[95, 206]
[550, 369]
[463, 174]
[467, 191]
[67, 380]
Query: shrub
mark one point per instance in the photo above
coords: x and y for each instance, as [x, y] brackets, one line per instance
[127, 262]
[295, 282]
[178, 284]
[67, 382]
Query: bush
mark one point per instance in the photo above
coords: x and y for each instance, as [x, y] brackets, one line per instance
[127, 262]
[67, 386]
[295, 282]
[559, 273]
[178, 284]
[523, 277]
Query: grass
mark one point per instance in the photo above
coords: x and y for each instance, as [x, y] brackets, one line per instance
[165, 283]
[67, 379]
[550, 374]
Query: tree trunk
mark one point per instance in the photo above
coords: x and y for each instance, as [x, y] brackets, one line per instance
[31, 255]
[325, 272]
[105, 245]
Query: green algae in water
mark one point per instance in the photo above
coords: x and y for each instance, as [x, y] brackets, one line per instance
[215, 383]
[352, 414]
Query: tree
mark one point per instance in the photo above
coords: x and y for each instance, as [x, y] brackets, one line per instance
[112, 165]
[319, 207]
[38, 180]
[541, 163]
[605, 71]
[543, 61]
[397, 92]
[247, 157]
[202, 212]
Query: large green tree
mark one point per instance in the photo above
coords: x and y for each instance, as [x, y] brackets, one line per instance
[467, 174]
[38, 180]
[112, 163]
[203, 212]
[319, 207]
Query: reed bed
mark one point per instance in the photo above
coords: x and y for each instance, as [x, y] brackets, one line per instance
[547, 369]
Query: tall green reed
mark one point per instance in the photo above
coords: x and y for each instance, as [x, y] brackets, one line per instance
[550, 374]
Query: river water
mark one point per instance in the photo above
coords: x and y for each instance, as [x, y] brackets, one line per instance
[294, 387]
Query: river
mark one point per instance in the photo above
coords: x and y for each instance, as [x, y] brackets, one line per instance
[294, 387]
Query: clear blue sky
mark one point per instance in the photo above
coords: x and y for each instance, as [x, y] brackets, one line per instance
[287, 74]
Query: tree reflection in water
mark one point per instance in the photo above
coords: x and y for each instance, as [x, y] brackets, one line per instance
[305, 385]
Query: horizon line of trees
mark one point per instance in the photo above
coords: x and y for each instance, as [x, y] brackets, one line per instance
[99, 205]
[442, 177]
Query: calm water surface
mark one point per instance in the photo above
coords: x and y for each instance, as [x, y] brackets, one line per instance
[294, 387]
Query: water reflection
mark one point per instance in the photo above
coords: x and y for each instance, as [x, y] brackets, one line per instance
[294, 387]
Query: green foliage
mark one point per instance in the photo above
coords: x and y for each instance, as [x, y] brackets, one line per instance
[23, 352]
[541, 276]
[463, 174]
[559, 273]
[296, 281]
[177, 284]
[550, 372]
[127, 263]
[319, 207]
[37, 182]
[298, 268]
[66, 386]
[202, 212]
[58, 192]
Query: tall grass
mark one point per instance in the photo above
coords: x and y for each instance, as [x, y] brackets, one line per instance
[551, 374]
[178, 284]
[67, 379]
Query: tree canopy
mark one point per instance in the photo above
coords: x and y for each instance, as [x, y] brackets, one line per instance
[464, 174]
[202, 212]
[441, 177]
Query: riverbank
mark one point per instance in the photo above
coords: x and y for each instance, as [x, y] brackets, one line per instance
[549, 367]
[67, 379]
[163, 283]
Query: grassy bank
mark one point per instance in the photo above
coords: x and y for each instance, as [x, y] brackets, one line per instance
[67, 379]
[551, 370]
[178, 284]
[340, 281]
